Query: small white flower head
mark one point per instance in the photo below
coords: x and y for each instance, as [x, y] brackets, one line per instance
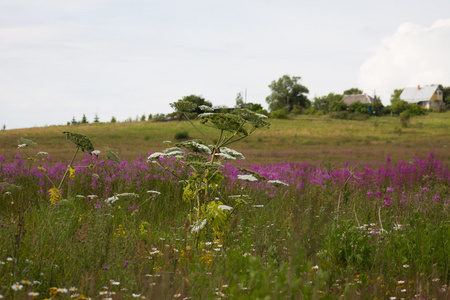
[33, 294]
[156, 155]
[224, 207]
[225, 156]
[232, 153]
[112, 199]
[80, 196]
[258, 205]
[199, 225]
[62, 290]
[167, 142]
[247, 177]
[277, 183]
[17, 287]
[316, 267]
[153, 192]
[92, 196]
[206, 108]
[96, 152]
[21, 145]
[42, 153]
[135, 295]
[261, 116]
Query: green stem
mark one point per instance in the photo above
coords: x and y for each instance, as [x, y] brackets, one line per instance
[67, 169]
[194, 126]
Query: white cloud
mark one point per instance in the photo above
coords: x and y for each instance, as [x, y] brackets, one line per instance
[414, 55]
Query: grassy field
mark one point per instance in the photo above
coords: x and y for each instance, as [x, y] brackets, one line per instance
[343, 210]
[306, 139]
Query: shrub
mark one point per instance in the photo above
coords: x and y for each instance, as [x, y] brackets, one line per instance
[181, 135]
[416, 110]
[262, 112]
[278, 114]
[404, 118]
[357, 116]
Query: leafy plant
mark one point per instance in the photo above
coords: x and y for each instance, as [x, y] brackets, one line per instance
[203, 185]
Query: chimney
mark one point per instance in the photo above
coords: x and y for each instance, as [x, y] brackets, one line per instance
[418, 87]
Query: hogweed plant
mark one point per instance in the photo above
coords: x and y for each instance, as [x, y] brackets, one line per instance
[203, 160]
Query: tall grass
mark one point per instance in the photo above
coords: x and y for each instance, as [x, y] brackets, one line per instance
[361, 231]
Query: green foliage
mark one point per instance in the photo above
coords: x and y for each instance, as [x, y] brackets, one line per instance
[112, 156]
[329, 103]
[279, 114]
[239, 100]
[202, 187]
[96, 119]
[113, 119]
[84, 119]
[362, 108]
[416, 110]
[181, 135]
[395, 96]
[353, 91]
[26, 142]
[287, 92]
[80, 140]
[404, 118]
[398, 106]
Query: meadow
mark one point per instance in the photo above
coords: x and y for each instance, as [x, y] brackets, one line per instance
[350, 209]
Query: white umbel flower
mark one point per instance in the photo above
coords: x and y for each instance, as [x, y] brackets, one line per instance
[224, 207]
[277, 182]
[247, 177]
[199, 225]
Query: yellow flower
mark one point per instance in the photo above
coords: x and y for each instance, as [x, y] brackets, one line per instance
[71, 173]
[55, 195]
[53, 291]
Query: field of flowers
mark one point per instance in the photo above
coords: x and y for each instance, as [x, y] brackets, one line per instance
[306, 231]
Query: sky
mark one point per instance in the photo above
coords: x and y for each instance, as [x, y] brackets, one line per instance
[125, 58]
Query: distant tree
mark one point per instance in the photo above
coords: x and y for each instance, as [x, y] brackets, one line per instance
[193, 99]
[4, 127]
[74, 122]
[287, 92]
[143, 118]
[254, 106]
[84, 119]
[150, 116]
[96, 119]
[113, 119]
[239, 101]
[446, 94]
[362, 108]
[398, 106]
[353, 91]
[324, 103]
[395, 96]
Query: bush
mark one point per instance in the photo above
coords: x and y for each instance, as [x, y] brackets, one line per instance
[416, 110]
[278, 114]
[344, 115]
[357, 116]
[262, 112]
[181, 135]
[404, 118]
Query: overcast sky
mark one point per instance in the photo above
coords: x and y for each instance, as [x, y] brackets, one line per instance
[62, 59]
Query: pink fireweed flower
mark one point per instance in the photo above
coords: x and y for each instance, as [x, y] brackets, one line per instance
[389, 189]
[387, 203]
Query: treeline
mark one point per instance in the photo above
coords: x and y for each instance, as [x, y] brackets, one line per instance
[288, 97]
